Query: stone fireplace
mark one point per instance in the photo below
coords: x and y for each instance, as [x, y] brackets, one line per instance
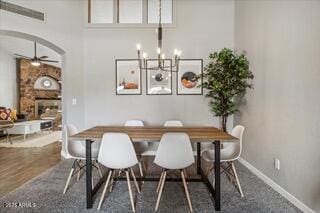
[40, 91]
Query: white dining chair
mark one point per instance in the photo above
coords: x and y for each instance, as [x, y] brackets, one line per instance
[117, 153]
[173, 123]
[141, 148]
[77, 150]
[174, 153]
[229, 154]
[177, 123]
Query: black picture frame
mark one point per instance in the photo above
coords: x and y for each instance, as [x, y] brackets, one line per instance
[140, 77]
[179, 74]
[148, 75]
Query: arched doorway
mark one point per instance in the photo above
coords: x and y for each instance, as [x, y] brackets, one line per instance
[37, 155]
[30, 37]
[53, 47]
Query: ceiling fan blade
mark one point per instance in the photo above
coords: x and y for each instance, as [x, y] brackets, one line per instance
[49, 61]
[43, 57]
[22, 56]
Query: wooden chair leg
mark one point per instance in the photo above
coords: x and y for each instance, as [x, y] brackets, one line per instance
[92, 184]
[105, 189]
[79, 172]
[159, 183]
[140, 168]
[130, 191]
[161, 189]
[145, 166]
[237, 179]
[135, 181]
[195, 164]
[112, 181]
[185, 173]
[209, 169]
[186, 190]
[68, 181]
[99, 169]
[213, 182]
[69, 177]
[229, 172]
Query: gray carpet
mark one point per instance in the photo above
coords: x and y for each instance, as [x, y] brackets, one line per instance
[45, 192]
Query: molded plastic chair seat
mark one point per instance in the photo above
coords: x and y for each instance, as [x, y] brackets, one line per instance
[141, 148]
[175, 153]
[77, 150]
[208, 155]
[230, 153]
[173, 123]
[117, 153]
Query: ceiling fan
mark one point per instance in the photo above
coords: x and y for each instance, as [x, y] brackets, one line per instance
[36, 61]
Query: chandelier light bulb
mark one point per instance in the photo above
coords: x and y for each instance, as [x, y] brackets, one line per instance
[144, 55]
[160, 57]
[138, 47]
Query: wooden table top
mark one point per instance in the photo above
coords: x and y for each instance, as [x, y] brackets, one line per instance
[154, 133]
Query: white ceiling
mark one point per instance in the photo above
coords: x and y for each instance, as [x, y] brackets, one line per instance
[24, 47]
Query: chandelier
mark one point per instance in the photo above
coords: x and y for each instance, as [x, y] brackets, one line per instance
[161, 56]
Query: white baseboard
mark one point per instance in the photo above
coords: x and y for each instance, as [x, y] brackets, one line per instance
[276, 187]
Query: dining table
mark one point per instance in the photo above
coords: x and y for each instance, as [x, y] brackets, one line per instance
[197, 134]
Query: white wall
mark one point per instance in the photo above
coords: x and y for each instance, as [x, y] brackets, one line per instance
[64, 28]
[282, 115]
[202, 27]
[8, 80]
[89, 73]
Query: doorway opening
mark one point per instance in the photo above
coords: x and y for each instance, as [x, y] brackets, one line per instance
[31, 107]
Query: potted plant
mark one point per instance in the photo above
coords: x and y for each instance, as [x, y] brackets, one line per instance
[226, 78]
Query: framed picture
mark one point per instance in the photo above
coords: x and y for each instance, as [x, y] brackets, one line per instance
[159, 82]
[187, 80]
[128, 77]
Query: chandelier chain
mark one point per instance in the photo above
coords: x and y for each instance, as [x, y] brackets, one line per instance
[160, 8]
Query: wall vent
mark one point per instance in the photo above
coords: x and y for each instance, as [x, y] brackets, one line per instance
[21, 10]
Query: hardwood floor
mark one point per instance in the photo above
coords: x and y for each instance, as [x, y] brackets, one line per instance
[19, 165]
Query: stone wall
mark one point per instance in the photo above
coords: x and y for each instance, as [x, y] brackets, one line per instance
[28, 75]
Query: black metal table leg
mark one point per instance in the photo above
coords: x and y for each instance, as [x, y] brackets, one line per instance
[89, 173]
[198, 158]
[217, 175]
[213, 191]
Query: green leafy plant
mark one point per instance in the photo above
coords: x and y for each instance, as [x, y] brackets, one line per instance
[226, 78]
